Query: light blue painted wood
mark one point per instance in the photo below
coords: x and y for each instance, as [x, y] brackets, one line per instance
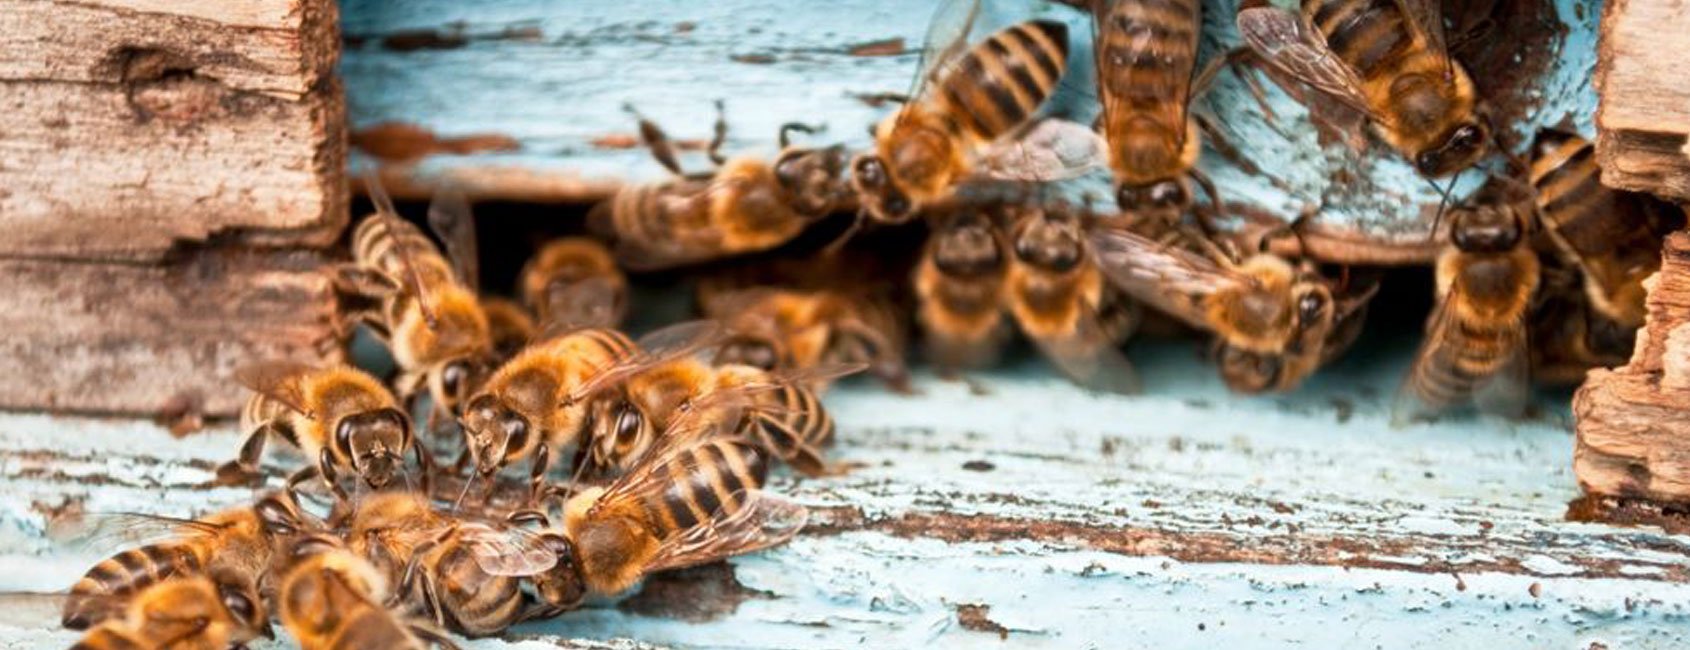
[557, 93]
[1187, 476]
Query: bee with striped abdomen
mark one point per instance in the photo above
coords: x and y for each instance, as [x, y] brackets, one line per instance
[1474, 350]
[1386, 61]
[233, 547]
[746, 205]
[422, 304]
[695, 503]
[1058, 297]
[965, 101]
[575, 279]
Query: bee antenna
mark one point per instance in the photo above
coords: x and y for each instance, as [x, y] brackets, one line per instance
[468, 481]
[833, 247]
[1443, 204]
[574, 480]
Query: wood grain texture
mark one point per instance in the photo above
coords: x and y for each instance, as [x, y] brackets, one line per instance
[1633, 434]
[553, 76]
[1644, 117]
[117, 338]
[136, 124]
[1182, 518]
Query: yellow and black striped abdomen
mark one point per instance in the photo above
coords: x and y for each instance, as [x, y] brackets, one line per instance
[705, 477]
[476, 603]
[122, 575]
[999, 83]
[376, 244]
[798, 420]
[660, 215]
[1149, 49]
[1372, 36]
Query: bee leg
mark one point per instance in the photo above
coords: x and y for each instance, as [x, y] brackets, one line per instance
[331, 476]
[1214, 137]
[244, 469]
[787, 129]
[435, 636]
[1205, 219]
[720, 136]
[425, 467]
[657, 141]
[528, 516]
[537, 473]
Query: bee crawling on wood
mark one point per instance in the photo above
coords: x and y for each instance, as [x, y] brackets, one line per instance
[188, 612]
[747, 204]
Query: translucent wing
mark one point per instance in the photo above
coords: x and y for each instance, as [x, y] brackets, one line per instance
[1428, 18]
[656, 348]
[1088, 356]
[590, 302]
[947, 38]
[386, 212]
[1436, 384]
[1173, 280]
[1507, 391]
[1049, 150]
[277, 380]
[110, 532]
[508, 551]
[1292, 46]
[761, 521]
[450, 218]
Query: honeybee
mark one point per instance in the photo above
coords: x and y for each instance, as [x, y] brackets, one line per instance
[508, 324]
[1319, 337]
[233, 547]
[422, 305]
[1257, 308]
[190, 612]
[538, 402]
[1146, 59]
[960, 284]
[1568, 336]
[330, 598]
[575, 279]
[773, 408]
[1474, 348]
[1386, 61]
[786, 329]
[746, 205]
[965, 101]
[1612, 238]
[1057, 295]
[468, 576]
[694, 503]
[340, 417]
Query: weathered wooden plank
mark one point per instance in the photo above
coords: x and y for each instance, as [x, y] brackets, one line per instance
[553, 76]
[1632, 440]
[116, 338]
[134, 125]
[1067, 520]
[1642, 143]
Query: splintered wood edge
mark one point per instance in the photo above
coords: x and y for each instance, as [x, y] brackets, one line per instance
[1643, 119]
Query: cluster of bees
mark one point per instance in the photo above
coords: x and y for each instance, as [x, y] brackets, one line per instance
[672, 434]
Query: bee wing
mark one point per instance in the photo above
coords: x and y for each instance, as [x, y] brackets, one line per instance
[1428, 18]
[590, 302]
[508, 551]
[386, 211]
[110, 531]
[1507, 391]
[1088, 356]
[1503, 393]
[277, 380]
[762, 520]
[450, 218]
[1048, 150]
[1173, 280]
[1289, 44]
[656, 348]
[946, 39]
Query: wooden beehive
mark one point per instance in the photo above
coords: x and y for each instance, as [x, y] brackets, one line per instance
[1036, 516]
[172, 174]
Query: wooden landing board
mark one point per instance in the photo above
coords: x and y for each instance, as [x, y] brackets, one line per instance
[1183, 518]
[551, 77]
[133, 125]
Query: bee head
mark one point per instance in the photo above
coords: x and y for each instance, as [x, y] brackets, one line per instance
[748, 350]
[878, 193]
[493, 433]
[619, 432]
[279, 514]
[812, 177]
[1248, 372]
[1163, 196]
[968, 245]
[240, 598]
[560, 586]
[1461, 147]
[375, 441]
[453, 381]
